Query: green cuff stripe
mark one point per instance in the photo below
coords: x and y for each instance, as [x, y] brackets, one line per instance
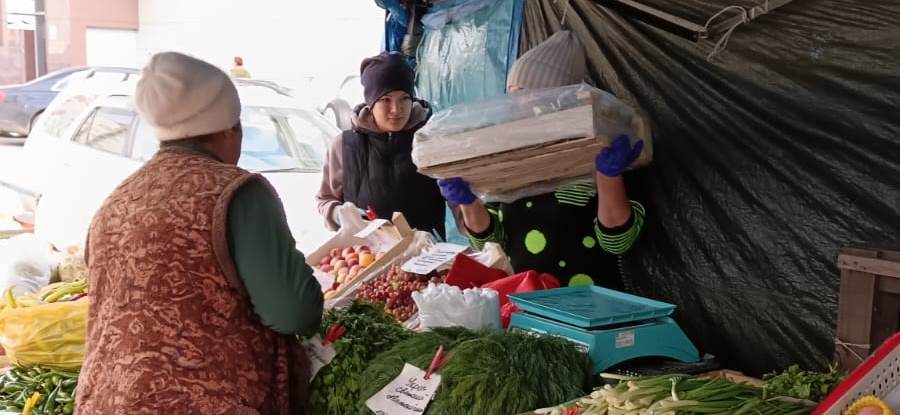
[577, 202]
[497, 236]
[619, 244]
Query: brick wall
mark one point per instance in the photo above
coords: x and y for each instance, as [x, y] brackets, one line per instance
[12, 52]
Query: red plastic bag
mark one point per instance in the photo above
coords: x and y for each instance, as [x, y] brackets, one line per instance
[468, 273]
[520, 283]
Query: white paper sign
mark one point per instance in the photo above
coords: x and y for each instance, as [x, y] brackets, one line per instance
[370, 228]
[319, 355]
[408, 394]
[438, 255]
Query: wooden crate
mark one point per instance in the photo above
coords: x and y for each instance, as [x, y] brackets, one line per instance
[535, 164]
[869, 303]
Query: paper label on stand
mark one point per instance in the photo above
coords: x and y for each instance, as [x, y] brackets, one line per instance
[370, 228]
[319, 355]
[625, 339]
[408, 394]
[438, 255]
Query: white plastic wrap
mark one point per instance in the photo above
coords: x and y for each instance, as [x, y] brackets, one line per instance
[443, 305]
[528, 142]
[25, 264]
[493, 256]
[538, 116]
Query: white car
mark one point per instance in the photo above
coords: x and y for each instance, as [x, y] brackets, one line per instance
[89, 142]
[340, 109]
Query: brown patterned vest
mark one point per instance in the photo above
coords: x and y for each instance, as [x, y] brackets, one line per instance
[171, 329]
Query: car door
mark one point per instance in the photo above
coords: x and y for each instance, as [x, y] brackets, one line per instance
[91, 164]
[34, 167]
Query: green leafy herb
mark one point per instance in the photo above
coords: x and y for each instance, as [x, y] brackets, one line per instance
[797, 383]
[492, 372]
[370, 330]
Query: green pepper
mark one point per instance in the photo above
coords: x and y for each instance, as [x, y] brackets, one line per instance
[10, 376]
[69, 383]
[51, 401]
[66, 374]
[69, 408]
[11, 388]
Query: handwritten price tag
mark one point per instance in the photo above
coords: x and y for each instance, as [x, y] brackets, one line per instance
[438, 255]
[408, 394]
[319, 355]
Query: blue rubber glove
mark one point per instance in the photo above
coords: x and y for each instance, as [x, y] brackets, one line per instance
[613, 160]
[456, 191]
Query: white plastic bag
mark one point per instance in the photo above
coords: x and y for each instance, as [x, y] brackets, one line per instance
[443, 305]
[24, 264]
[72, 265]
[493, 256]
[352, 222]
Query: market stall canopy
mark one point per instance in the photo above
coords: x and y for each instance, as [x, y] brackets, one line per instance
[770, 156]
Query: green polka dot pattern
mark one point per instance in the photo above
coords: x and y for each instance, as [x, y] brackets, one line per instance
[581, 279]
[535, 242]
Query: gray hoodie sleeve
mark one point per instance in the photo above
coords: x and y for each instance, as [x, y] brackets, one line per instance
[331, 191]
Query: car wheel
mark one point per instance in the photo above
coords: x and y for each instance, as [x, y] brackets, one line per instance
[339, 112]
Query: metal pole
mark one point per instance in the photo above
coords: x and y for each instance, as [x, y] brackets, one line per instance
[40, 38]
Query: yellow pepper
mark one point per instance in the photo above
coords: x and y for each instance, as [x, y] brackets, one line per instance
[30, 403]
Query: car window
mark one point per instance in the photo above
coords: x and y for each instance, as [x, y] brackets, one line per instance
[274, 139]
[107, 129]
[265, 147]
[312, 136]
[62, 116]
[145, 143]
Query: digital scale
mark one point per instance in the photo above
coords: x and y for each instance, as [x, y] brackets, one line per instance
[610, 326]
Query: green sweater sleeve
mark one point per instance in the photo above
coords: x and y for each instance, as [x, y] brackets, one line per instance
[494, 233]
[619, 240]
[284, 293]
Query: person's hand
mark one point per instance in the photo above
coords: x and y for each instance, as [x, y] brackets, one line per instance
[456, 191]
[613, 160]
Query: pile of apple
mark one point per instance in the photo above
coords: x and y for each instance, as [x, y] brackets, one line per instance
[346, 264]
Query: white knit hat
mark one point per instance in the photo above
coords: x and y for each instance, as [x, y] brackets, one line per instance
[184, 97]
[557, 61]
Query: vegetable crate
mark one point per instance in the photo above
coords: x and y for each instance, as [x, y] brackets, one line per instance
[869, 304]
[879, 375]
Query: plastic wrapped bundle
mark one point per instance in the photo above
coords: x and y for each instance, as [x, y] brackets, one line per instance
[442, 305]
[527, 142]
